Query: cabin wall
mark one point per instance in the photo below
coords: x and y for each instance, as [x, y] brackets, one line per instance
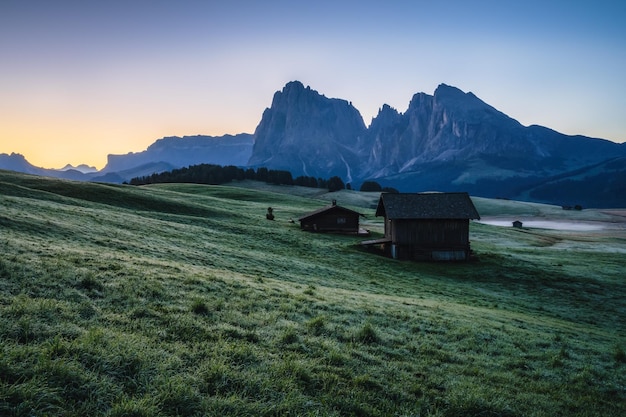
[388, 228]
[430, 232]
[341, 222]
[430, 239]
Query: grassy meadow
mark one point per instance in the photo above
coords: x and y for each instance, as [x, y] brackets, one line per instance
[183, 300]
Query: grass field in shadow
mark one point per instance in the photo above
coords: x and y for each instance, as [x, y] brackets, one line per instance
[183, 300]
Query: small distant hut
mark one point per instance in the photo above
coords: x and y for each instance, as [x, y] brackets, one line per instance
[426, 226]
[332, 218]
[517, 224]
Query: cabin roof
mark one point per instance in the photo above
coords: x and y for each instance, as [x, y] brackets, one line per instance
[329, 208]
[426, 206]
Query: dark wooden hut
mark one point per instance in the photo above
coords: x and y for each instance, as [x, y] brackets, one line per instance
[426, 226]
[332, 218]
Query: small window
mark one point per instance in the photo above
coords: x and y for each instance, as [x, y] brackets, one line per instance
[341, 220]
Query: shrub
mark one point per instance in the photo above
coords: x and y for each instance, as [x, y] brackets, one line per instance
[132, 407]
[199, 307]
[316, 325]
[178, 396]
[367, 334]
[370, 186]
[335, 184]
[390, 190]
[90, 283]
[289, 336]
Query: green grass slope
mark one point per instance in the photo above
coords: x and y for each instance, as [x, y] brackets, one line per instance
[182, 300]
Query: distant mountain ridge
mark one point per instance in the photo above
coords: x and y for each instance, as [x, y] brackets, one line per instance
[84, 168]
[449, 126]
[440, 128]
[448, 141]
[163, 155]
[188, 150]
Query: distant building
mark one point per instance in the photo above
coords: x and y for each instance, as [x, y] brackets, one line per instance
[426, 226]
[332, 218]
[517, 224]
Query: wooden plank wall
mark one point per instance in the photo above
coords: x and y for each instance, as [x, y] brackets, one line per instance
[432, 233]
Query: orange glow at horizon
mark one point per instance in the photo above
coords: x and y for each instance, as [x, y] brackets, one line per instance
[53, 142]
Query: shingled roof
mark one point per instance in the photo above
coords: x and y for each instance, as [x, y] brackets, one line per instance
[426, 206]
[332, 207]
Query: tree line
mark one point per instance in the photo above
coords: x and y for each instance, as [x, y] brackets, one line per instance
[374, 186]
[217, 174]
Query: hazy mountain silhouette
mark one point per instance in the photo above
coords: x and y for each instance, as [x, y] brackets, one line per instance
[448, 141]
[84, 168]
[188, 150]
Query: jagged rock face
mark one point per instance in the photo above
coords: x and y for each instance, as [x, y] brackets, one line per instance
[449, 126]
[448, 141]
[461, 125]
[453, 127]
[308, 134]
[384, 135]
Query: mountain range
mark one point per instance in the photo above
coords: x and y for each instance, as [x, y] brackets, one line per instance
[448, 141]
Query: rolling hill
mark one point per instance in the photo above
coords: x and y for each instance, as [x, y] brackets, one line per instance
[182, 299]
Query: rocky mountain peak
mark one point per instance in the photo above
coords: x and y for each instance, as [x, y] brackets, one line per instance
[16, 162]
[308, 134]
[445, 90]
[386, 114]
[292, 93]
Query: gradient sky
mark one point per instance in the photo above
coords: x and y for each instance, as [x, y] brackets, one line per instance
[83, 79]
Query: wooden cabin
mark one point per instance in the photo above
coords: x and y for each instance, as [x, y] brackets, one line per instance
[332, 218]
[426, 226]
[517, 224]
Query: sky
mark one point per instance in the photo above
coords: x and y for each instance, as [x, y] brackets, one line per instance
[83, 79]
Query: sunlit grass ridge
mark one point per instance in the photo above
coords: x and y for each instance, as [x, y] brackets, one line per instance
[184, 300]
